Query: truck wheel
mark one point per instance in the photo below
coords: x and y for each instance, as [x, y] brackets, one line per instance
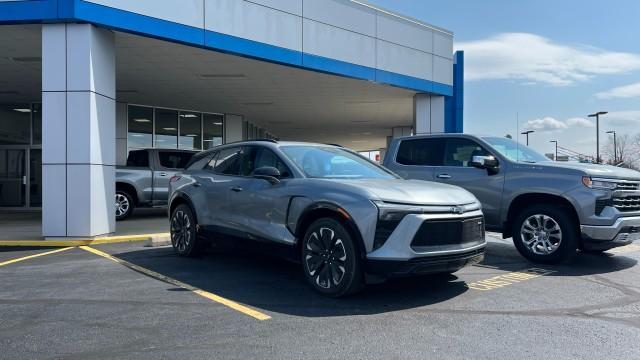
[545, 234]
[330, 259]
[184, 238]
[124, 205]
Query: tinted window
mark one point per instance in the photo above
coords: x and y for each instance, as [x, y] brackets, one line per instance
[190, 131]
[460, 151]
[199, 160]
[333, 162]
[266, 157]
[140, 127]
[429, 152]
[138, 158]
[166, 129]
[226, 162]
[174, 160]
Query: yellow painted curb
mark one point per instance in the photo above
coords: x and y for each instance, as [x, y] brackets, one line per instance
[98, 241]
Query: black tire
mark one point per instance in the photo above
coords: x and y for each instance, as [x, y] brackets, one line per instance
[330, 259]
[549, 250]
[184, 237]
[124, 199]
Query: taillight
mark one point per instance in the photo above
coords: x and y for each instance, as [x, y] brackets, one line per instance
[174, 178]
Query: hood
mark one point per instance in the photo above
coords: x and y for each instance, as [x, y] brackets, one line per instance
[414, 192]
[595, 170]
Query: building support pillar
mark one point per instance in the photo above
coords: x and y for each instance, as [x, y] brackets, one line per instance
[428, 114]
[78, 146]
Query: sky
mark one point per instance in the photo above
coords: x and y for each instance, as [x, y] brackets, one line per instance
[546, 63]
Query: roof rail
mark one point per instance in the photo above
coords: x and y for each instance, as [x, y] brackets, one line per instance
[265, 139]
[338, 145]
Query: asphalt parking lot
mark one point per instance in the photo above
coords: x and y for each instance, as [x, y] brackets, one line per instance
[129, 301]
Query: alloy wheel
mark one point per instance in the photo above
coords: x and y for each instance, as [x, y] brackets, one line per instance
[541, 234]
[325, 257]
[180, 231]
[122, 205]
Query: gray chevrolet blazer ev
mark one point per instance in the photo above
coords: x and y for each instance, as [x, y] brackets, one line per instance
[550, 208]
[342, 216]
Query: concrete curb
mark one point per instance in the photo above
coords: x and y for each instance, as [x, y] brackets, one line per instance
[158, 240]
[83, 242]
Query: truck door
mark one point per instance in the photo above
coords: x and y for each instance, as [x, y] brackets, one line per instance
[456, 170]
[417, 158]
[168, 164]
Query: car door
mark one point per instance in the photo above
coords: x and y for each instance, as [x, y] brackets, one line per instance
[169, 164]
[485, 185]
[416, 158]
[260, 207]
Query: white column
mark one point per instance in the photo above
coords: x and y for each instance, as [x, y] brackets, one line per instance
[400, 131]
[428, 114]
[233, 128]
[78, 145]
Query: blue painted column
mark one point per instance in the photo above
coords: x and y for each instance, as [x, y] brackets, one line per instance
[454, 105]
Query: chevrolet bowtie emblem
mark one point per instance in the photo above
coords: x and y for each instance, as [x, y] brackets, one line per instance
[456, 210]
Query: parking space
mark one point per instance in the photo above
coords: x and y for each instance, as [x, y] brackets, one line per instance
[150, 303]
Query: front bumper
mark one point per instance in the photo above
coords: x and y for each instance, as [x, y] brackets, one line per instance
[623, 232]
[424, 265]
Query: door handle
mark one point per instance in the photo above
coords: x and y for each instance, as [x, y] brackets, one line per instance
[236, 189]
[443, 176]
[197, 184]
[24, 180]
[163, 174]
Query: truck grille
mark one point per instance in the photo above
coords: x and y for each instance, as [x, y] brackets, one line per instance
[449, 232]
[628, 203]
[627, 186]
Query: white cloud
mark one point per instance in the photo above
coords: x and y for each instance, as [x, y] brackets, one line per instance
[527, 58]
[551, 124]
[624, 92]
[622, 118]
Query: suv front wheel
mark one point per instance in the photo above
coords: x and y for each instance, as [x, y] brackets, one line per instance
[545, 234]
[330, 259]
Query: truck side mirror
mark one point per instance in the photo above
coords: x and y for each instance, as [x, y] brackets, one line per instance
[268, 173]
[484, 162]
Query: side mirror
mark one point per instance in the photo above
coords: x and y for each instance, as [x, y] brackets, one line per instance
[484, 162]
[268, 173]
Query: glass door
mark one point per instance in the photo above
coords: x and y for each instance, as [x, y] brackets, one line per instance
[35, 178]
[13, 177]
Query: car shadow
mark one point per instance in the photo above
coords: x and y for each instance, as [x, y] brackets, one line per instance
[503, 255]
[275, 285]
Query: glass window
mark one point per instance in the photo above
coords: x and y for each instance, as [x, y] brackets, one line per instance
[15, 124]
[199, 160]
[138, 158]
[36, 117]
[266, 157]
[174, 159]
[212, 127]
[332, 162]
[426, 152]
[190, 131]
[140, 127]
[459, 152]
[227, 162]
[515, 151]
[166, 129]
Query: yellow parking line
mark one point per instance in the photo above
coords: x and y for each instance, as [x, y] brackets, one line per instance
[500, 281]
[80, 242]
[219, 299]
[34, 256]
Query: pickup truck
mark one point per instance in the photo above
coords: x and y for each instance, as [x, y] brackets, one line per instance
[549, 208]
[144, 182]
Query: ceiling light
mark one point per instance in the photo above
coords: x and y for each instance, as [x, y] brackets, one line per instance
[169, 129]
[142, 120]
[258, 103]
[217, 123]
[223, 76]
[191, 135]
[137, 135]
[22, 110]
[188, 115]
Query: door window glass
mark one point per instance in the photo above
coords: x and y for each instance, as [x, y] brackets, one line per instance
[227, 162]
[266, 157]
[426, 152]
[140, 125]
[459, 152]
[190, 131]
[174, 159]
[138, 158]
[166, 136]
[199, 160]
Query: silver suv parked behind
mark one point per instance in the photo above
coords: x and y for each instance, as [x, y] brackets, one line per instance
[339, 214]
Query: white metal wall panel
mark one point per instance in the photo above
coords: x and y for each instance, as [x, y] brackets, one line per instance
[339, 44]
[442, 70]
[290, 6]
[443, 45]
[255, 22]
[403, 32]
[343, 14]
[187, 12]
[403, 60]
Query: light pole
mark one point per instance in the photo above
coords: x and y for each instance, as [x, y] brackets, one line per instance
[556, 156]
[615, 147]
[597, 116]
[527, 133]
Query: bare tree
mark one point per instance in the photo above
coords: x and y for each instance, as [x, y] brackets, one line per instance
[627, 151]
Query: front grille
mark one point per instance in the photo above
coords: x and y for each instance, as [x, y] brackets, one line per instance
[628, 203]
[449, 232]
[627, 186]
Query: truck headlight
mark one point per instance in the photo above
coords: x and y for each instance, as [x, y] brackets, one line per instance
[598, 184]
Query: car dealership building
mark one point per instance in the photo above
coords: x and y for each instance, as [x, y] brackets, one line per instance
[82, 82]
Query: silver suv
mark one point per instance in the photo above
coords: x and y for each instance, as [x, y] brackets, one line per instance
[339, 214]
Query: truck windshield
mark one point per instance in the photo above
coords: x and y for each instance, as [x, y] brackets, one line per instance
[514, 151]
[333, 163]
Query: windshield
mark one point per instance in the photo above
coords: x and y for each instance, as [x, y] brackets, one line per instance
[515, 151]
[333, 163]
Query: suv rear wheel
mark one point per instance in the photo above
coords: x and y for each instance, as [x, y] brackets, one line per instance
[330, 259]
[183, 232]
[545, 233]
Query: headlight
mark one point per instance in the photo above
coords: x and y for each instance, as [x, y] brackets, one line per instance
[395, 212]
[598, 184]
